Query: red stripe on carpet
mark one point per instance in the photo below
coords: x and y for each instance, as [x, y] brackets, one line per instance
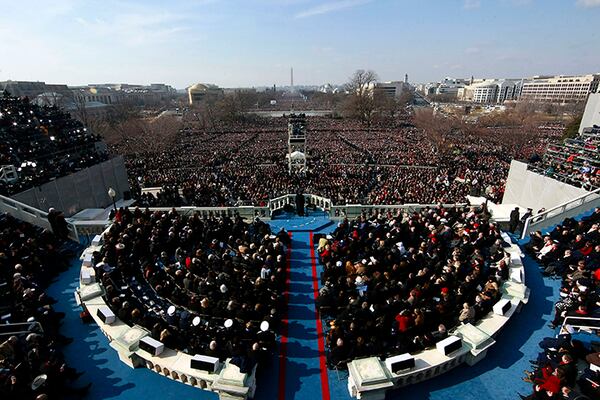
[322, 360]
[284, 325]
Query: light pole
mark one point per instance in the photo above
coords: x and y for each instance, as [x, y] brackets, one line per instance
[113, 194]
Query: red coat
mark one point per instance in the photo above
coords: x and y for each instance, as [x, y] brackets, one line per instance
[404, 322]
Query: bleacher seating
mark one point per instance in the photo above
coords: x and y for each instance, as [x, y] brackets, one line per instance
[574, 161]
[41, 143]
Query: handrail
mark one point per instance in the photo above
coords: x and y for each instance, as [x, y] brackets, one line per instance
[31, 214]
[20, 328]
[536, 219]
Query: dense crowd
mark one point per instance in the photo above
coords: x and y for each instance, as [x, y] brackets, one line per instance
[394, 284]
[31, 363]
[209, 286]
[42, 143]
[570, 252]
[574, 161]
[245, 163]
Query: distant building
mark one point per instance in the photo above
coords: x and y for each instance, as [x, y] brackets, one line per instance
[32, 89]
[450, 86]
[238, 90]
[446, 87]
[107, 93]
[199, 91]
[591, 115]
[91, 94]
[112, 93]
[560, 89]
[490, 91]
[329, 88]
[391, 89]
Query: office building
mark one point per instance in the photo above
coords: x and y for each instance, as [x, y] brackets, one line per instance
[490, 91]
[560, 89]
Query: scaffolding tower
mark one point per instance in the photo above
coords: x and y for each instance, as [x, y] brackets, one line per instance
[296, 143]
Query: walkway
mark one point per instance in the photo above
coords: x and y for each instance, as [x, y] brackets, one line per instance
[302, 353]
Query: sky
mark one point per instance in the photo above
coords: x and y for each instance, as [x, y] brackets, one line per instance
[245, 43]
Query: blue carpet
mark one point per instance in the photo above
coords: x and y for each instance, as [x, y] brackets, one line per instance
[313, 221]
[303, 380]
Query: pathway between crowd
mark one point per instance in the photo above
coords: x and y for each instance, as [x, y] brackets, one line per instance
[302, 369]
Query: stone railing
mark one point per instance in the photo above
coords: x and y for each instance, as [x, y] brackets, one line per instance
[32, 215]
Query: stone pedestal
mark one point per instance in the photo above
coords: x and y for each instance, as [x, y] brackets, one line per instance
[368, 379]
[231, 384]
[126, 343]
[477, 340]
[88, 292]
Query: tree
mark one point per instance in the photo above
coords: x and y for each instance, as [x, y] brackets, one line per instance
[572, 128]
[229, 108]
[361, 102]
[386, 106]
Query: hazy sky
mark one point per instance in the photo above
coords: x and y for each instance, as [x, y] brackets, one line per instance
[254, 42]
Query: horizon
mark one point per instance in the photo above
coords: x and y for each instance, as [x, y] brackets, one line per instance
[254, 43]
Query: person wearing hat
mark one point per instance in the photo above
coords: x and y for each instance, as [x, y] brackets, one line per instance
[172, 318]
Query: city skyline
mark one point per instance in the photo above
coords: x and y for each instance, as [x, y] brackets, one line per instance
[255, 42]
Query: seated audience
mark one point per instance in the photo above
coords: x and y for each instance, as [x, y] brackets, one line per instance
[397, 283]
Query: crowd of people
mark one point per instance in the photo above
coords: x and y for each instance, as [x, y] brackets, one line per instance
[574, 161]
[209, 286]
[42, 143]
[393, 284]
[244, 163]
[570, 252]
[31, 362]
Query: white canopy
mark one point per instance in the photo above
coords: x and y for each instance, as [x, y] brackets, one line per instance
[297, 155]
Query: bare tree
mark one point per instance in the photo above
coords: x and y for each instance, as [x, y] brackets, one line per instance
[360, 88]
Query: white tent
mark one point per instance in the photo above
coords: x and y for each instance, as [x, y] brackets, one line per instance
[297, 155]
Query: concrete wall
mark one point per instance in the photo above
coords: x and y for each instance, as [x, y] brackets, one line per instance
[529, 189]
[83, 189]
[591, 116]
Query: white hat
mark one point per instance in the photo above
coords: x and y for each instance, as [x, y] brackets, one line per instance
[338, 264]
[38, 381]
[223, 288]
[171, 311]
[228, 323]
[328, 237]
[569, 329]
[196, 321]
[264, 326]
